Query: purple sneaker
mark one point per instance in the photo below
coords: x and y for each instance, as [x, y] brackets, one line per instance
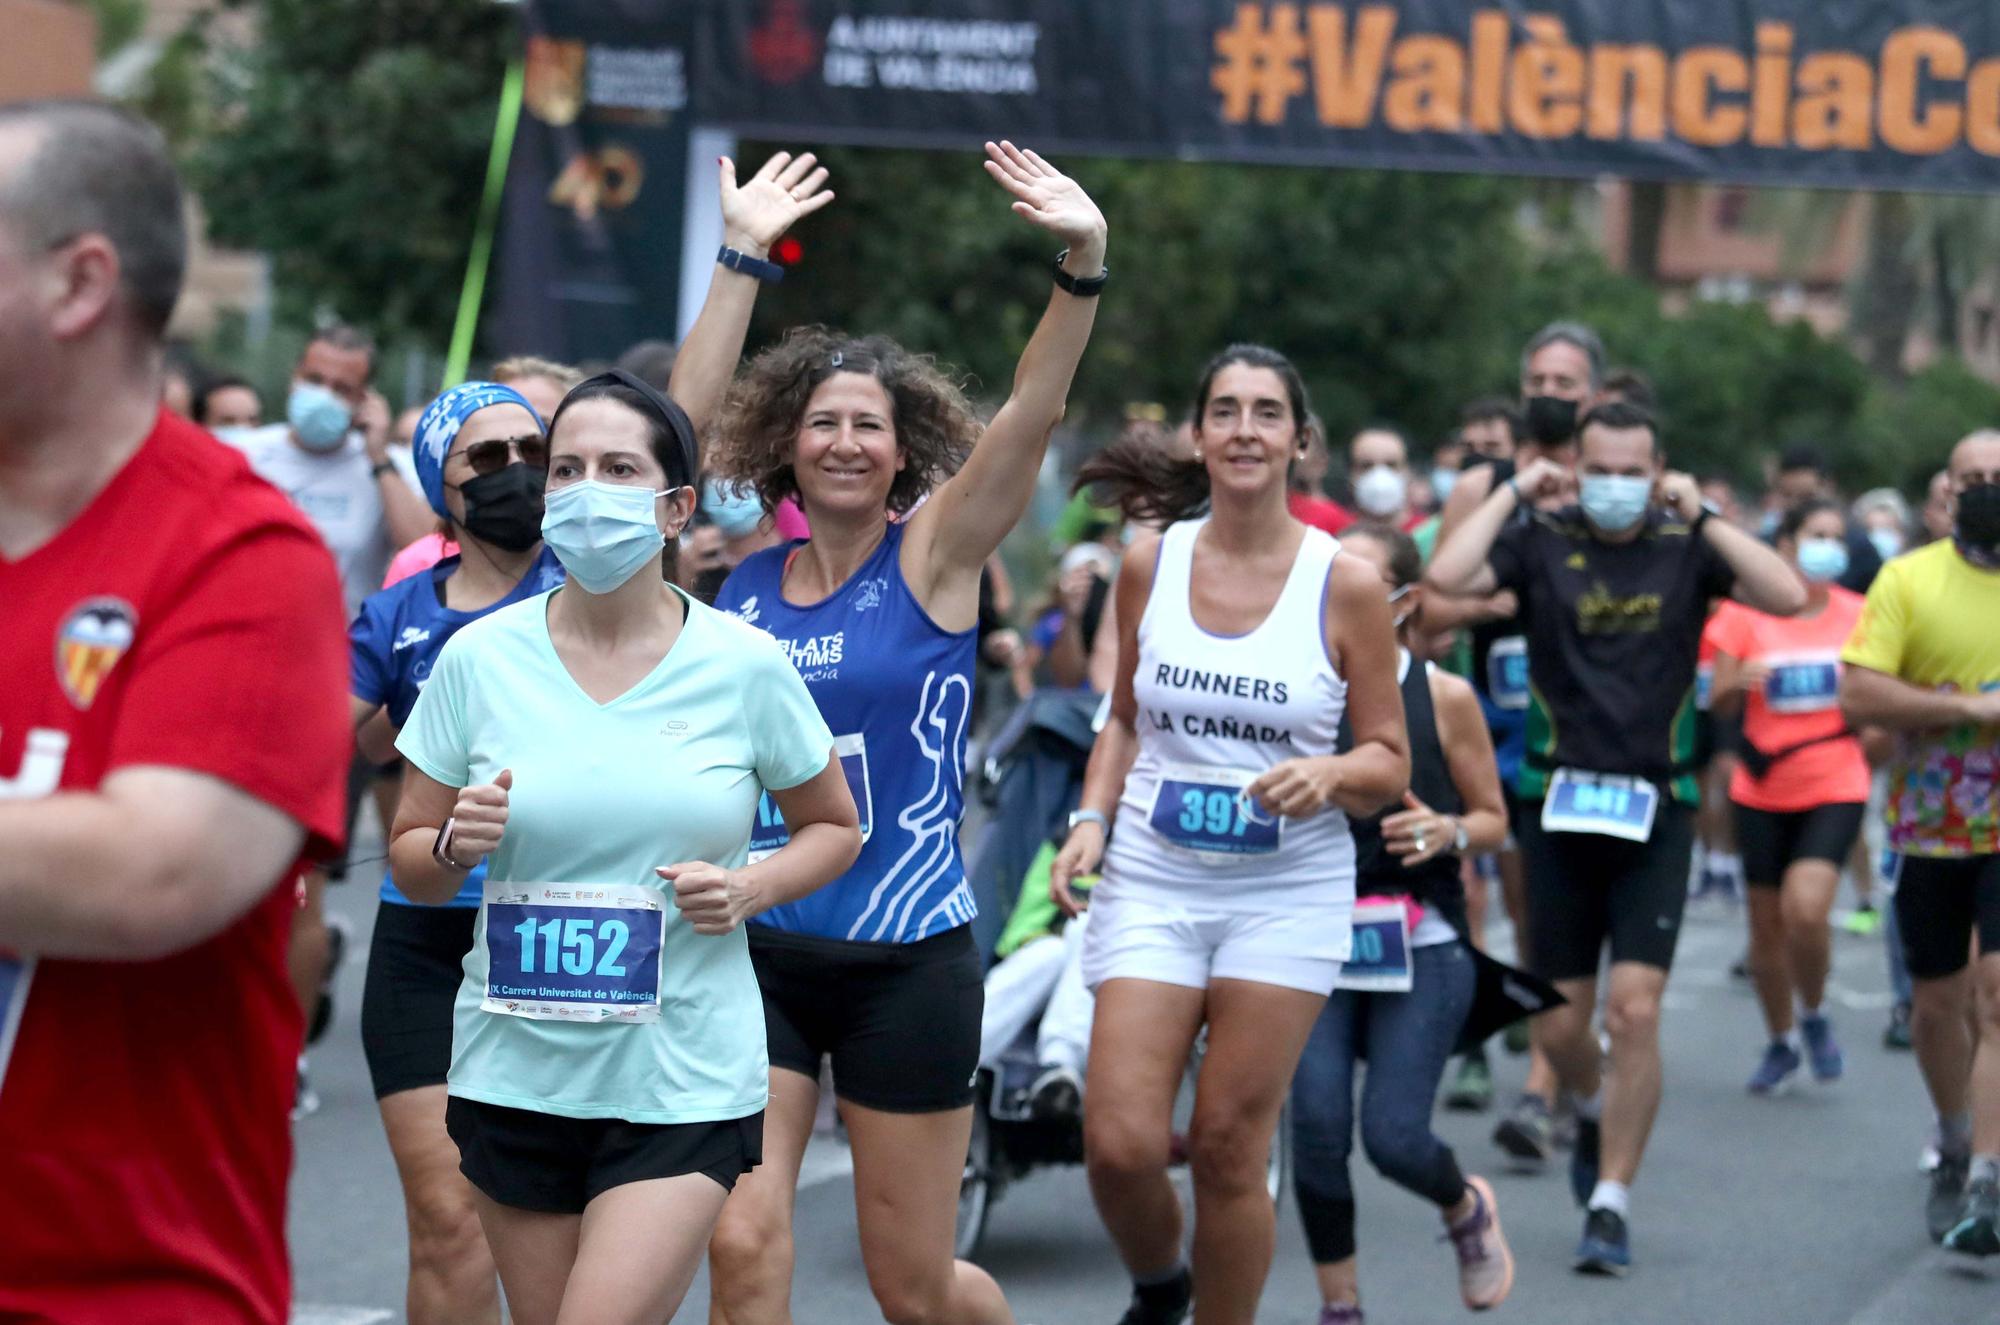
[1341, 1313]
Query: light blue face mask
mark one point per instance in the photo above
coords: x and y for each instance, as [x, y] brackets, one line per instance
[1441, 481]
[602, 533]
[1822, 560]
[1614, 502]
[736, 510]
[318, 417]
[1888, 543]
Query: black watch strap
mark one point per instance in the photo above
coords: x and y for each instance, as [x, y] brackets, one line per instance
[1083, 287]
[381, 467]
[739, 261]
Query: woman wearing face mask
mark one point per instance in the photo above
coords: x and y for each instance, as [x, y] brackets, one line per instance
[1404, 1016]
[1245, 641]
[604, 747]
[481, 459]
[879, 614]
[1799, 791]
[730, 526]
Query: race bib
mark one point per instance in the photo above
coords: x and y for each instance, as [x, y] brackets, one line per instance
[769, 833]
[16, 973]
[1803, 685]
[1602, 803]
[574, 952]
[1380, 960]
[1209, 812]
[1507, 672]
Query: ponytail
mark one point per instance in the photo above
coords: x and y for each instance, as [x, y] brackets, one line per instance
[1146, 481]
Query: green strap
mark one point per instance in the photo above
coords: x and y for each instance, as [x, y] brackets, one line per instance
[504, 125]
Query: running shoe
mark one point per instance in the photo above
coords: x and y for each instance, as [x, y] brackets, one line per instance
[1946, 1201]
[1057, 1093]
[1583, 1160]
[1340, 1313]
[1863, 921]
[1161, 1304]
[305, 1100]
[1524, 1132]
[1776, 1068]
[1977, 1232]
[1822, 1050]
[1740, 968]
[1472, 1089]
[1896, 1035]
[1606, 1247]
[1485, 1265]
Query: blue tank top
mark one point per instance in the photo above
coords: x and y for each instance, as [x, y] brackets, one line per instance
[394, 641]
[896, 688]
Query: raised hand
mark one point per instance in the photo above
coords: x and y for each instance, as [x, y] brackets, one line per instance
[1051, 200]
[784, 189]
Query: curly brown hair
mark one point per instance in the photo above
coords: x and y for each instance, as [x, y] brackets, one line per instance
[934, 424]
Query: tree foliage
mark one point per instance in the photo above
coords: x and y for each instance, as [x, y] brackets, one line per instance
[348, 143]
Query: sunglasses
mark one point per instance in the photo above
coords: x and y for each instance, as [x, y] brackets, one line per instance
[493, 455]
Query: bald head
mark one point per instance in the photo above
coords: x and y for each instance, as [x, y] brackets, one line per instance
[1976, 459]
[72, 169]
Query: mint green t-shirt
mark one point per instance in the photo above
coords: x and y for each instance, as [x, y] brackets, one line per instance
[670, 771]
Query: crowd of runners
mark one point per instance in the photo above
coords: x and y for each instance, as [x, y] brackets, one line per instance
[662, 680]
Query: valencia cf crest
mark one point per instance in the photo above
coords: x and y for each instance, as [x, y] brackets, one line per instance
[95, 635]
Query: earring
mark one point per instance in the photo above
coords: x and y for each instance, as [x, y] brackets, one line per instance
[1197, 457]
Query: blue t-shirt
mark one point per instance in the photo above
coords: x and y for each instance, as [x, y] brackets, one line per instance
[896, 688]
[669, 771]
[394, 642]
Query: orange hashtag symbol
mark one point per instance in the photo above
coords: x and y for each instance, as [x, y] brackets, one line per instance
[1259, 61]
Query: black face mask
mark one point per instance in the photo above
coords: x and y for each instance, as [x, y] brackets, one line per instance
[504, 508]
[1979, 516]
[1550, 420]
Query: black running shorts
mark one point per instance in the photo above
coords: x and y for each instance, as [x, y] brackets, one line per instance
[557, 1165]
[1772, 841]
[1585, 889]
[415, 962]
[1939, 904]
[900, 1020]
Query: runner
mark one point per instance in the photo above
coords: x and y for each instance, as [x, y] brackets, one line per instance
[1925, 663]
[171, 740]
[1614, 593]
[1228, 889]
[607, 1079]
[1404, 1012]
[481, 460]
[1562, 369]
[880, 971]
[1799, 789]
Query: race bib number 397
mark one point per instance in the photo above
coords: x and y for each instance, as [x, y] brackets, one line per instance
[574, 952]
[1209, 811]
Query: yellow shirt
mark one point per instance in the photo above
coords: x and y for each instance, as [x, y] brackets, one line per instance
[1933, 620]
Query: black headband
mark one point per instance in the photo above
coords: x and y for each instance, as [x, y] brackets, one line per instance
[663, 409]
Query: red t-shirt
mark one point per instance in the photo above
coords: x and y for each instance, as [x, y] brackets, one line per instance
[191, 618]
[1800, 702]
[1318, 512]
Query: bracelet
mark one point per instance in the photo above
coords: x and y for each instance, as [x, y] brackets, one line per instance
[1078, 818]
[381, 467]
[1083, 287]
[749, 266]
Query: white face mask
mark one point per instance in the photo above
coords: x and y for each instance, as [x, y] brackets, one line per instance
[1381, 490]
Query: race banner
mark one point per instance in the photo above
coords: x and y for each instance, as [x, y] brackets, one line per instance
[590, 231]
[1888, 94]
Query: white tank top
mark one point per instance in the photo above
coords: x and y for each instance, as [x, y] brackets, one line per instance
[1215, 712]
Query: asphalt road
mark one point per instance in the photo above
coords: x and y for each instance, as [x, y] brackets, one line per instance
[1749, 1212]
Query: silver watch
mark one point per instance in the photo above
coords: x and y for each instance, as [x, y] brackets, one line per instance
[1460, 839]
[1097, 817]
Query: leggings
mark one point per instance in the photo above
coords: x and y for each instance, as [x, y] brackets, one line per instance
[1406, 1038]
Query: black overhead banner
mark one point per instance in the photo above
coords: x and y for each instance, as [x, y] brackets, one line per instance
[1896, 94]
[590, 235]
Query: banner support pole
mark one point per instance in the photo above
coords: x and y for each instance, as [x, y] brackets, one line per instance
[505, 123]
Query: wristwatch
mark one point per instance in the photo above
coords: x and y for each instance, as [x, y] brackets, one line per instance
[1083, 287]
[1460, 839]
[441, 849]
[381, 467]
[1097, 817]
